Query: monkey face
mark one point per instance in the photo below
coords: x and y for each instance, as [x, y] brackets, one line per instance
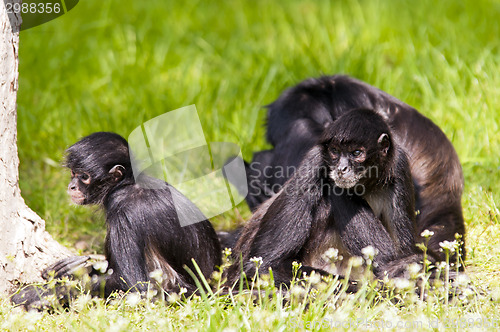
[85, 188]
[98, 163]
[78, 187]
[359, 163]
[347, 168]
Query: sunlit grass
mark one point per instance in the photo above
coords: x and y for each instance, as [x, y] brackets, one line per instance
[115, 64]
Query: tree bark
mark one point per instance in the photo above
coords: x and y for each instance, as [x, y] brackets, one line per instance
[25, 247]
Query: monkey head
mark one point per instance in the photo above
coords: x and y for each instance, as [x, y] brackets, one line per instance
[98, 163]
[359, 149]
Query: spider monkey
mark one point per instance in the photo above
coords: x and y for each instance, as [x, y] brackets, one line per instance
[352, 190]
[143, 229]
[298, 118]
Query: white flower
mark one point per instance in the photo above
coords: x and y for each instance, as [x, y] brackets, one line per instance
[331, 254]
[447, 245]
[256, 260]
[133, 299]
[441, 265]
[369, 252]
[227, 252]
[427, 233]
[297, 290]
[173, 297]
[157, 275]
[82, 301]
[401, 283]
[356, 261]
[314, 278]
[183, 290]
[151, 293]
[261, 283]
[101, 266]
[414, 268]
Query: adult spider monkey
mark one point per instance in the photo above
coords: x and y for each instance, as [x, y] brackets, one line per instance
[352, 190]
[298, 118]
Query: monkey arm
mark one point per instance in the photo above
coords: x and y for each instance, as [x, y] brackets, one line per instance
[125, 254]
[282, 232]
[360, 228]
[284, 225]
[403, 219]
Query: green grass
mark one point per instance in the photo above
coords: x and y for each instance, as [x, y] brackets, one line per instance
[115, 64]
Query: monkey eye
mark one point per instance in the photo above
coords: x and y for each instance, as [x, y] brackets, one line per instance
[85, 178]
[356, 153]
[334, 151]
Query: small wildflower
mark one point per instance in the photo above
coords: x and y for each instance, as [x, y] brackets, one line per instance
[227, 252]
[447, 245]
[414, 269]
[173, 297]
[427, 233]
[157, 275]
[369, 252]
[296, 265]
[356, 261]
[441, 265]
[151, 293]
[101, 266]
[82, 301]
[331, 254]
[256, 260]
[133, 299]
[261, 283]
[183, 290]
[401, 283]
[314, 278]
[216, 275]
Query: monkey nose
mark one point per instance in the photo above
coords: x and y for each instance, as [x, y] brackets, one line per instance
[343, 170]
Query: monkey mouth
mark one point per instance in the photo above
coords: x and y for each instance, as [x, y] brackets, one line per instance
[77, 198]
[343, 181]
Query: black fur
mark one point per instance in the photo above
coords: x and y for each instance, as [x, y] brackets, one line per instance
[143, 229]
[311, 214]
[297, 119]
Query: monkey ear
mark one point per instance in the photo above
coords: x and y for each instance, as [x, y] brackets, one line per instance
[117, 172]
[384, 143]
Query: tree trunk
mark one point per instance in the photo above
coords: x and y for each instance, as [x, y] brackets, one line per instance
[25, 247]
